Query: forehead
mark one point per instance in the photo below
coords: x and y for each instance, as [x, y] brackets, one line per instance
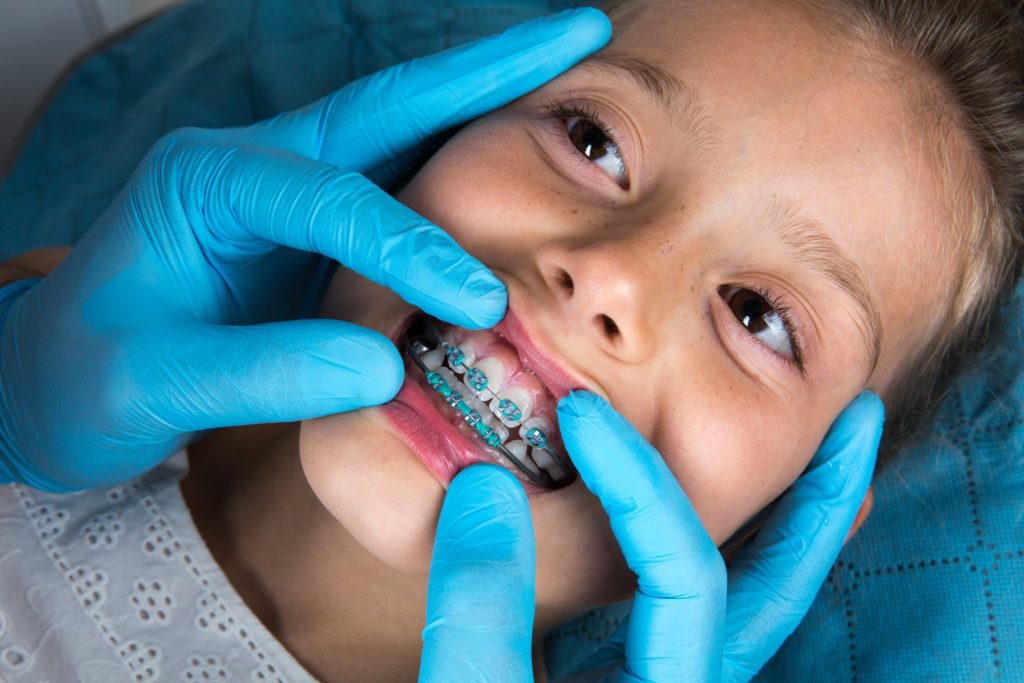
[807, 116]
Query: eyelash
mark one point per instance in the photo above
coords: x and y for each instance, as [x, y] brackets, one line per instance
[788, 321]
[561, 111]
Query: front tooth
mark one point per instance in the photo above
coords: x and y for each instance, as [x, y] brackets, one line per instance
[461, 357]
[544, 459]
[479, 406]
[488, 419]
[432, 359]
[448, 376]
[513, 405]
[497, 374]
[531, 465]
[517, 448]
[477, 380]
[459, 393]
[463, 390]
[535, 423]
[498, 428]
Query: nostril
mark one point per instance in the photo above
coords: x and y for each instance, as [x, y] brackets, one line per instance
[610, 328]
[565, 280]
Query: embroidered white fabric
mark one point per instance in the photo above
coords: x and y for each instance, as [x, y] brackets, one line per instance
[117, 585]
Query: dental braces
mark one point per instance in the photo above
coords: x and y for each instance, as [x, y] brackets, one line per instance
[477, 380]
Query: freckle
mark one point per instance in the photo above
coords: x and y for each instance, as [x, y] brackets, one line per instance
[575, 211]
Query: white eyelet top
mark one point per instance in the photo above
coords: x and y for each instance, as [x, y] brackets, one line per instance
[117, 585]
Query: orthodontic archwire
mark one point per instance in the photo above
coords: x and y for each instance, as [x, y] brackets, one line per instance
[534, 436]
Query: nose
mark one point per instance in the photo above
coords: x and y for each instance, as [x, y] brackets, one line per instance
[606, 290]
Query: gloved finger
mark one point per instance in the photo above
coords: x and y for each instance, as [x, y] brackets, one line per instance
[480, 596]
[378, 117]
[773, 581]
[207, 376]
[676, 624]
[253, 199]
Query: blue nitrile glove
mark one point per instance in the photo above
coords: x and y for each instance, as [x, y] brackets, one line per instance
[692, 620]
[480, 593]
[165, 319]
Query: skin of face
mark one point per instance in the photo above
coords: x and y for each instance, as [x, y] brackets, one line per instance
[791, 129]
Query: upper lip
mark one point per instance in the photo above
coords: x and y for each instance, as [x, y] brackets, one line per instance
[536, 358]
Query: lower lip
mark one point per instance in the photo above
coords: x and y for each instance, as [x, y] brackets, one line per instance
[440, 446]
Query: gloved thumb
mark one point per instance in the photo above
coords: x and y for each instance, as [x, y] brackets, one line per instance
[480, 598]
[218, 375]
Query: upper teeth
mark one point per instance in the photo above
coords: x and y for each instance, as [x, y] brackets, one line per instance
[535, 431]
[432, 359]
[477, 379]
[485, 380]
[462, 357]
[495, 372]
[513, 405]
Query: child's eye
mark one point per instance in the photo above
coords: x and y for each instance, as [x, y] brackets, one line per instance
[590, 139]
[588, 134]
[767, 322]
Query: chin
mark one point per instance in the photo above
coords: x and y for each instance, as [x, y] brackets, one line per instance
[370, 481]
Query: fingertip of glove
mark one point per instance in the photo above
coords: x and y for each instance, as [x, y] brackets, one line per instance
[856, 432]
[868, 408]
[490, 300]
[589, 25]
[486, 476]
[582, 404]
[870, 399]
[487, 487]
[355, 357]
[389, 373]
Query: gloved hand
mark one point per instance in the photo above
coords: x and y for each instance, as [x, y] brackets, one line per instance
[165, 319]
[691, 620]
[480, 593]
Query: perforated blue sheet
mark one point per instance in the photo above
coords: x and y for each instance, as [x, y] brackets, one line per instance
[931, 589]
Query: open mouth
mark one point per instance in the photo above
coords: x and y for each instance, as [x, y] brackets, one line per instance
[477, 383]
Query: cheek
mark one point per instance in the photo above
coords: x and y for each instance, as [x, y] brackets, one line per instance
[738, 457]
[374, 486]
[488, 190]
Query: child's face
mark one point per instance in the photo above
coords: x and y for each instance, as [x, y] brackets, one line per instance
[774, 177]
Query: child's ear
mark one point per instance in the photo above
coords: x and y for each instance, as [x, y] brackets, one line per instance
[862, 514]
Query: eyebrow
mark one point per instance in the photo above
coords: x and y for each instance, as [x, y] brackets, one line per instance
[810, 244]
[681, 101]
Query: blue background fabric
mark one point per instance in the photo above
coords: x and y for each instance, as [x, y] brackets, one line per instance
[931, 589]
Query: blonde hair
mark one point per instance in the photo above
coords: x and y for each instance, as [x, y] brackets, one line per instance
[969, 55]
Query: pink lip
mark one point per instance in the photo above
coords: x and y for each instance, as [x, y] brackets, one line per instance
[433, 440]
[558, 381]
